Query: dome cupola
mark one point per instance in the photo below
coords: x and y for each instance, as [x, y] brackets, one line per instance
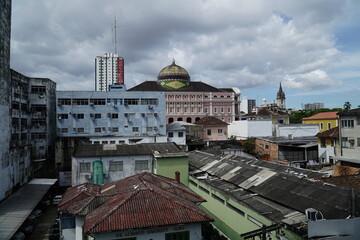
[173, 77]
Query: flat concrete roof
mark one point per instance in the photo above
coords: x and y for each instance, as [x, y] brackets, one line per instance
[15, 209]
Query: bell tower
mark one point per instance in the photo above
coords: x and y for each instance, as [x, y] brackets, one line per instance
[280, 98]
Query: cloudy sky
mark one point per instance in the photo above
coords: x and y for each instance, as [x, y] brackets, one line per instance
[311, 47]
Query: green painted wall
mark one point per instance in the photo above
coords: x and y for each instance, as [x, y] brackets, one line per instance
[232, 223]
[168, 166]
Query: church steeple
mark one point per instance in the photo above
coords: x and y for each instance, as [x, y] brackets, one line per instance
[280, 98]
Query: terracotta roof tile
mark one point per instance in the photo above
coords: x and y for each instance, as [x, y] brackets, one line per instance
[142, 200]
[331, 133]
[210, 121]
[323, 115]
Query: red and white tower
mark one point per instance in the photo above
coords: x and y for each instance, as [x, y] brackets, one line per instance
[109, 70]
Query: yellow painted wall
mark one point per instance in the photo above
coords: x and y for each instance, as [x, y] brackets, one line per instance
[333, 122]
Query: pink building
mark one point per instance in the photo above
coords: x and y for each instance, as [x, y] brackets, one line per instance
[190, 101]
[213, 129]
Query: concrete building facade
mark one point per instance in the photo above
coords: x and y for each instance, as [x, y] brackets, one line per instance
[5, 130]
[112, 117]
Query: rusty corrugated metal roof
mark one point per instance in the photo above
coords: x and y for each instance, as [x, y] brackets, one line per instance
[142, 200]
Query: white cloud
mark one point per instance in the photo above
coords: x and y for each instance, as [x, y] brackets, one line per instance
[316, 79]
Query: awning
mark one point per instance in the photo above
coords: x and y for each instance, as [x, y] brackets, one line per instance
[15, 209]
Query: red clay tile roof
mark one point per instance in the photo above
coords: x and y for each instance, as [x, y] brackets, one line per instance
[331, 133]
[142, 200]
[213, 121]
[323, 115]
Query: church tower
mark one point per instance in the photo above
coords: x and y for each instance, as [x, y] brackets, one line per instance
[280, 98]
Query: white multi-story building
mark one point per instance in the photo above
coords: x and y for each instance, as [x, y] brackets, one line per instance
[109, 70]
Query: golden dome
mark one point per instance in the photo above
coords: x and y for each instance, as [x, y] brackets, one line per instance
[173, 72]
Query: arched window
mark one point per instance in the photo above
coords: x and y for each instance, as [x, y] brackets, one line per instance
[171, 120]
[179, 119]
[188, 120]
[197, 119]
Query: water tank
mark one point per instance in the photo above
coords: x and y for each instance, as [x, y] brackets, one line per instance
[98, 173]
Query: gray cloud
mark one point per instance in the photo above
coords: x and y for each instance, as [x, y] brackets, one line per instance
[224, 43]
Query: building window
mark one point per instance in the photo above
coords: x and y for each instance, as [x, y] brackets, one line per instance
[358, 142]
[63, 130]
[79, 116]
[205, 110]
[121, 142]
[220, 131]
[116, 166]
[98, 101]
[329, 125]
[98, 129]
[344, 142]
[215, 110]
[229, 110]
[85, 167]
[62, 116]
[141, 165]
[321, 126]
[114, 115]
[322, 143]
[180, 134]
[208, 132]
[97, 115]
[112, 142]
[232, 207]
[38, 89]
[178, 236]
[149, 129]
[347, 123]
[222, 109]
[80, 101]
[218, 198]
[64, 101]
[80, 130]
[114, 129]
[131, 101]
[96, 142]
[135, 129]
[170, 134]
[104, 142]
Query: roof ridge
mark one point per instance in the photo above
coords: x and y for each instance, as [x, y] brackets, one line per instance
[109, 213]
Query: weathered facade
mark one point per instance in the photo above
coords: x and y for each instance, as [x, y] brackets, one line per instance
[5, 130]
[107, 163]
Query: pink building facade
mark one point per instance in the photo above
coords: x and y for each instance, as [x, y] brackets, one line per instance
[191, 101]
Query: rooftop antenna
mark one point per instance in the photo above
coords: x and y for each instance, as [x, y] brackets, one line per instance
[114, 35]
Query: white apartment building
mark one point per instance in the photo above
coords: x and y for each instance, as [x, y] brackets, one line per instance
[109, 70]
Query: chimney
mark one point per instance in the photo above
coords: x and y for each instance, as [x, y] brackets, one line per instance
[177, 176]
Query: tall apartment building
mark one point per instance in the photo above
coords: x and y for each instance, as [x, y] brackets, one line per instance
[247, 105]
[109, 70]
[5, 131]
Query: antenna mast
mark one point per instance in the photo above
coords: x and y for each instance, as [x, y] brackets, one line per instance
[114, 35]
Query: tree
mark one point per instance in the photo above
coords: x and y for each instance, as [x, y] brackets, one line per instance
[347, 105]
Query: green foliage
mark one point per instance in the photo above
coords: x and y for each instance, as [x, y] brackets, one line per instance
[347, 105]
[249, 146]
[296, 117]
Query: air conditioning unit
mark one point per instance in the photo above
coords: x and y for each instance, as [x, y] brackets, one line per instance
[126, 114]
[129, 120]
[143, 114]
[104, 128]
[92, 115]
